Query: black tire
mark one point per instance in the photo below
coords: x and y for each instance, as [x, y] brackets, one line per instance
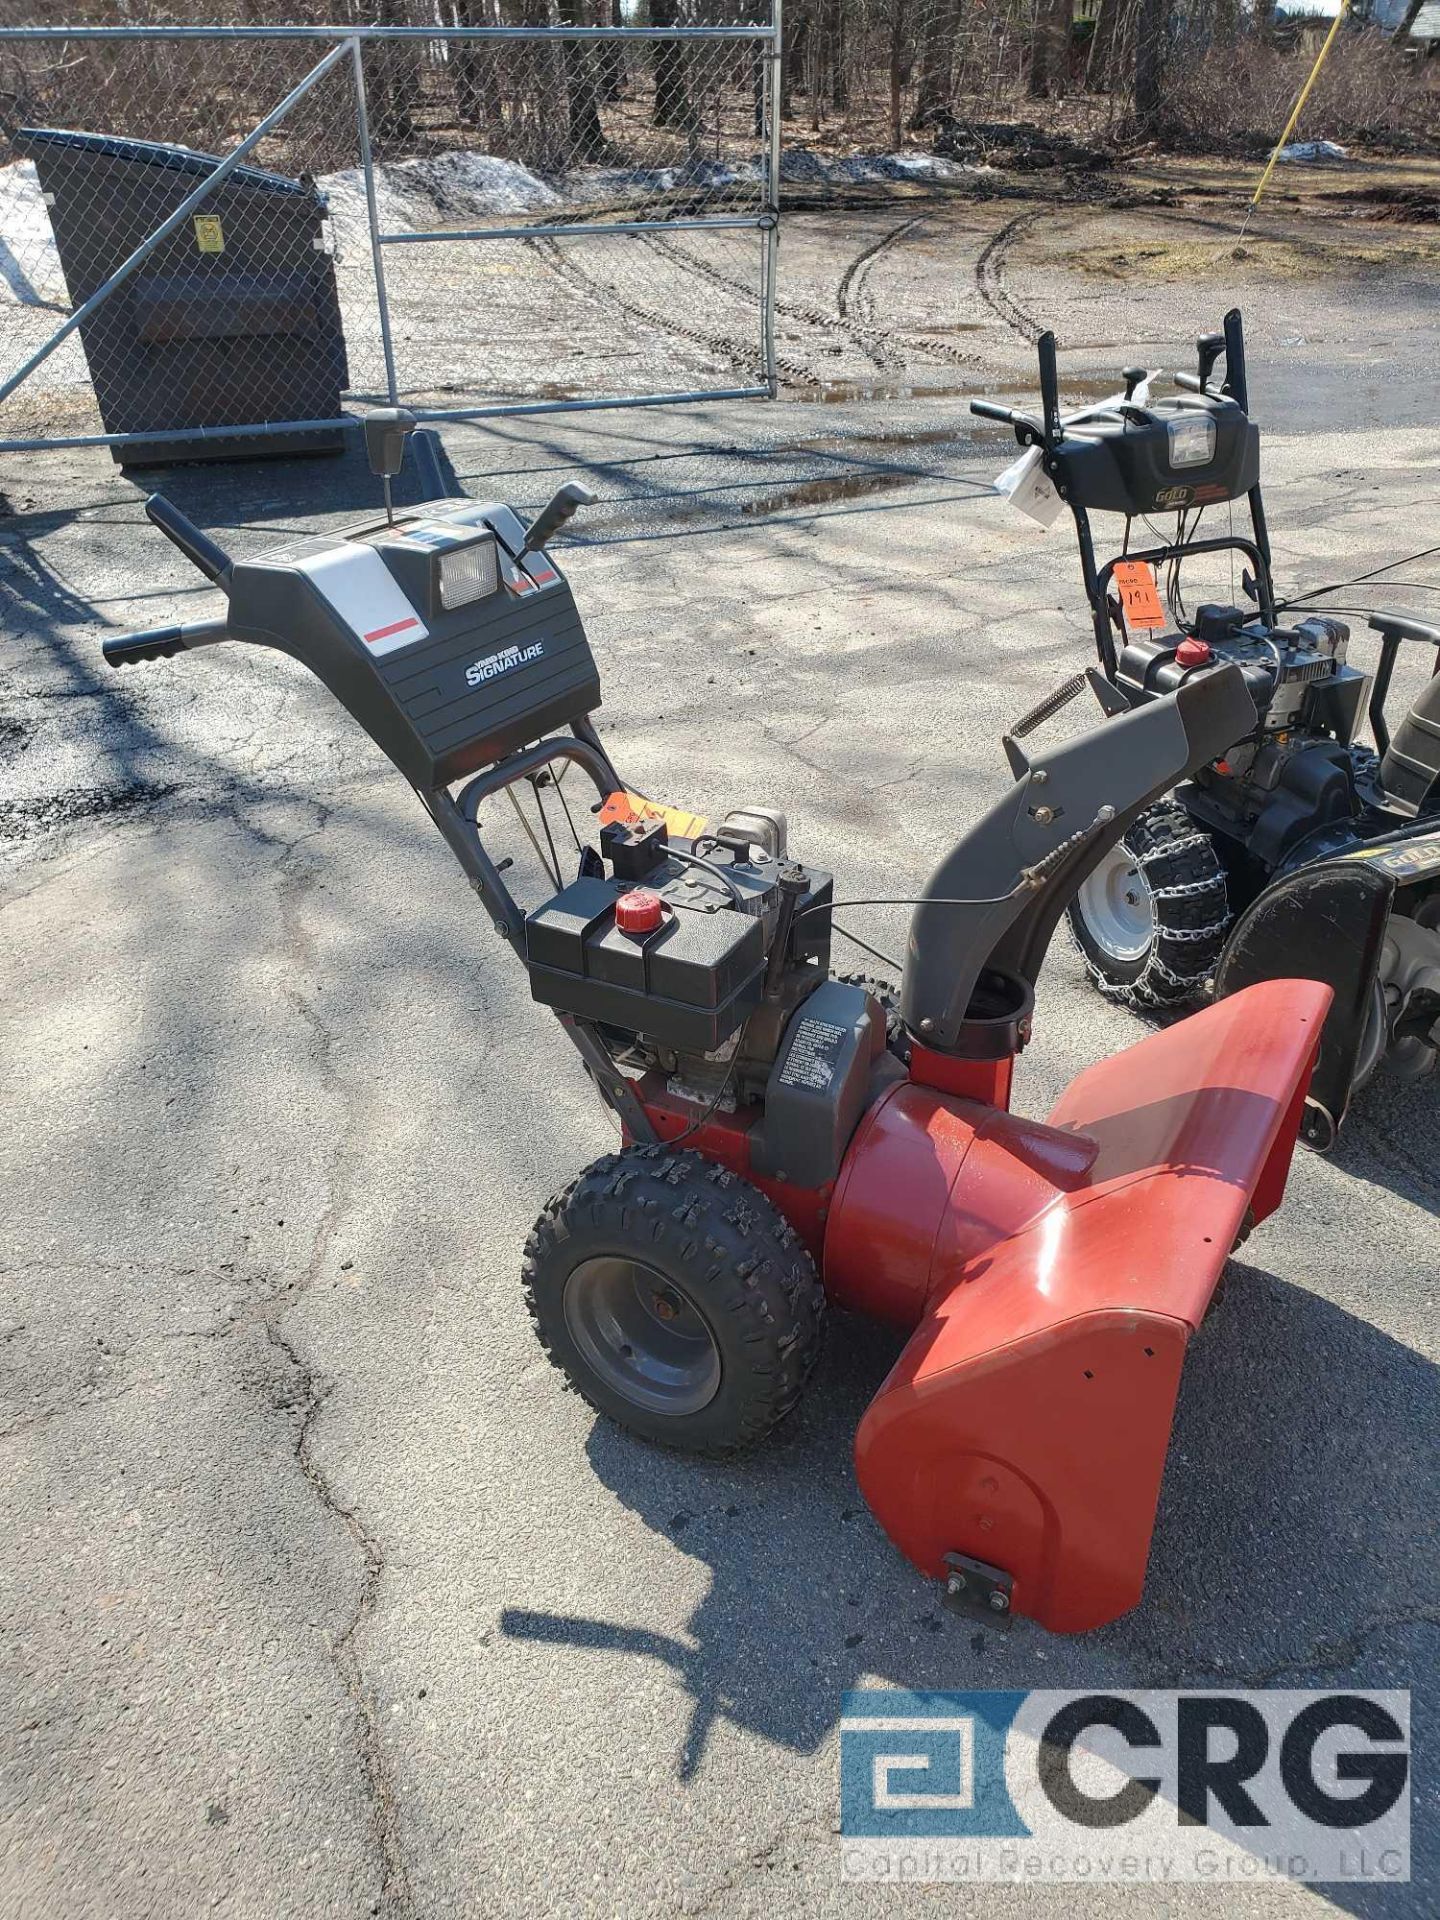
[637, 1262]
[888, 994]
[1179, 874]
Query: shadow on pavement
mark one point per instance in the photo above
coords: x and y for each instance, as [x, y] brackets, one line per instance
[1296, 1524]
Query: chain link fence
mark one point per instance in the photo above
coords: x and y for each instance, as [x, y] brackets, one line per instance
[468, 222]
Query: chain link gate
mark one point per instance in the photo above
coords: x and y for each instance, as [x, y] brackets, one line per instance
[470, 222]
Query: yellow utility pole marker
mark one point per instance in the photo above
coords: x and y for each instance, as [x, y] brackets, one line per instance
[1296, 111]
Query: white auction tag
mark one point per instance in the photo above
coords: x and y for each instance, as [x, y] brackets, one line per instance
[1026, 485]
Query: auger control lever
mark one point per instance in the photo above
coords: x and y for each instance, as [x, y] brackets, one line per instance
[1208, 348]
[386, 431]
[548, 523]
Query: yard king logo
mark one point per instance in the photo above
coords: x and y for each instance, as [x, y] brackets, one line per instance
[1049, 1786]
[494, 664]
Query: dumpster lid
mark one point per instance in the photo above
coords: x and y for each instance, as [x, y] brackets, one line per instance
[152, 153]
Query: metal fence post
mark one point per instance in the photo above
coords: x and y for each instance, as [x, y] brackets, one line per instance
[775, 90]
[372, 212]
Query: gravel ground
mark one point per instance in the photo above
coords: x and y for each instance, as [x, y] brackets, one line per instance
[321, 1597]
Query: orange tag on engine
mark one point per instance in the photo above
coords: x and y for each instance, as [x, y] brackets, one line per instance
[627, 808]
[1138, 595]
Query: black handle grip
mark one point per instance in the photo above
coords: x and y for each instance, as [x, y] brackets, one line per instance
[1208, 349]
[548, 523]
[386, 431]
[1237, 383]
[987, 410]
[155, 643]
[198, 548]
[1405, 627]
[121, 649]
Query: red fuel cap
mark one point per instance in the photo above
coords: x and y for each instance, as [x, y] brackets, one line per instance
[1194, 653]
[639, 911]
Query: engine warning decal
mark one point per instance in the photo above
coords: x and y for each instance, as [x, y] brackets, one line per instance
[358, 586]
[628, 808]
[814, 1054]
[1138, 596]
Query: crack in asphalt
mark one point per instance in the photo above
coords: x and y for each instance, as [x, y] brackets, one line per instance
[1329, 1655]
[316, 1388]
[395, 1897]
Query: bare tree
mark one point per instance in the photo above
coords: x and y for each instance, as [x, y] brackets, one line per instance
[672, 88]
[937, 61]
[582, 92]
[1049, 47]
[1150, 22]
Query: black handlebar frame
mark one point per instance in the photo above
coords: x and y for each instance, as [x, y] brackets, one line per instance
[198, 548]
[1047, 432]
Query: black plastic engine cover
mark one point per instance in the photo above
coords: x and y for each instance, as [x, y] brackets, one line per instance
[819, 1085]
[697, 978]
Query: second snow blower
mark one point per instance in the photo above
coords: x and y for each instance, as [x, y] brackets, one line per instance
[1298, 849]
[776, 1151]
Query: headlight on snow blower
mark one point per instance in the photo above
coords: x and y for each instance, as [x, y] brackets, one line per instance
[1192, 440]
[466, 574]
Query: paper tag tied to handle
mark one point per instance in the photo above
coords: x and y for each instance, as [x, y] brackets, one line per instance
[1139, 598]
[1027, 486]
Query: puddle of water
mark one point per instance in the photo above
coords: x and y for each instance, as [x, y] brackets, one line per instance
[834, 393]
[815, 493]
[958, 428]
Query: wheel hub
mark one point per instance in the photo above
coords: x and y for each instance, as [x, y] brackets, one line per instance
[1118, 907]
[641, 1334]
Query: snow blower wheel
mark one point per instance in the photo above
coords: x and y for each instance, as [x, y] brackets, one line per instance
[1152, 919]
[675, 1299]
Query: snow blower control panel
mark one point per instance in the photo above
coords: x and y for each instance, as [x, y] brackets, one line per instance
[447, 640]
[1183, 451]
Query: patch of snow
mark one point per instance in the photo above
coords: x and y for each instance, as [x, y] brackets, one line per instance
[1313, 150]
[801, 165]
[30, 273]
[444, 190]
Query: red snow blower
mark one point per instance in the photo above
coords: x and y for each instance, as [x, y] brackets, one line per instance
[786, 1137]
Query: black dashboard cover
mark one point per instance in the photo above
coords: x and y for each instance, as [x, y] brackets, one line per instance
[476, 683]
[1119, 461]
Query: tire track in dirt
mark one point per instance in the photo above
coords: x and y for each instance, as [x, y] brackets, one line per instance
[855, 286]
[990, 277]
[854, 315]
[871, 341]
[553, 255]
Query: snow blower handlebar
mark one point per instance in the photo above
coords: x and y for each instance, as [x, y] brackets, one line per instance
[1177, 454]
